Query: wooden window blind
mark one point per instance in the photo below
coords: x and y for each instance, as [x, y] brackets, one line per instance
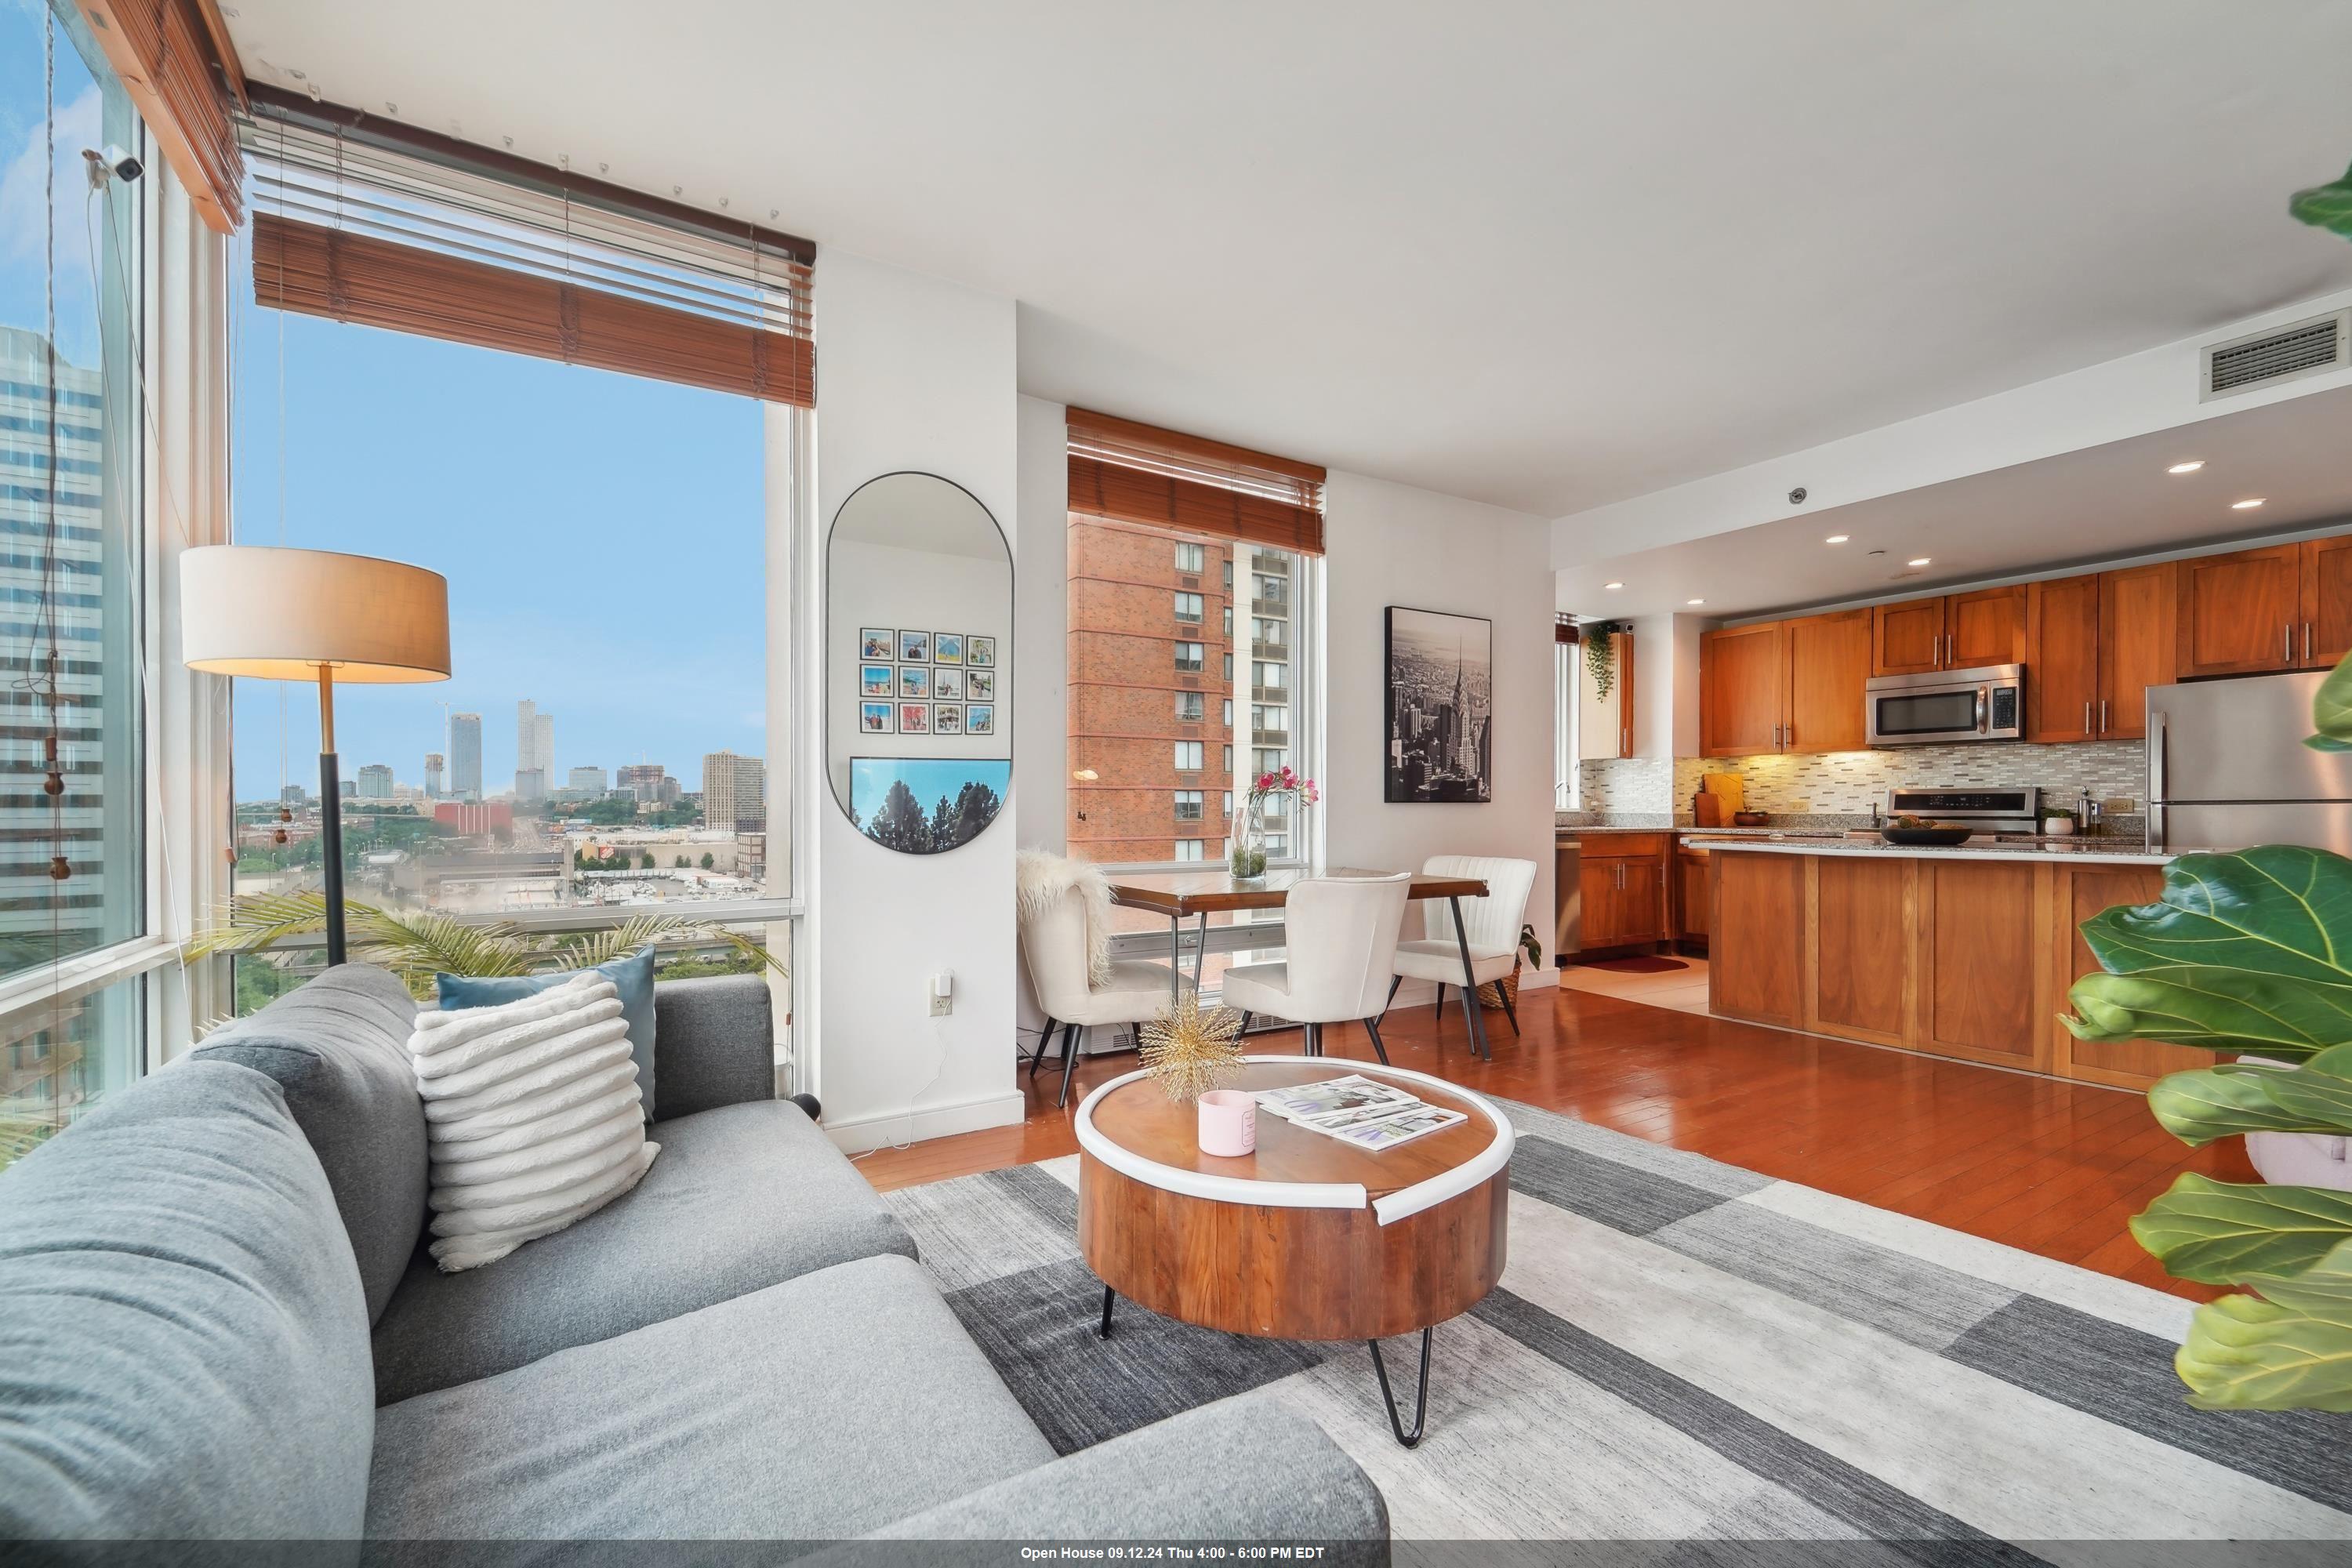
[1139, 473]
[432, 236]
[1564, 630]
[177, 62]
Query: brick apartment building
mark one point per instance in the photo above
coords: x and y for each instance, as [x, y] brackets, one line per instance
[1174, 642]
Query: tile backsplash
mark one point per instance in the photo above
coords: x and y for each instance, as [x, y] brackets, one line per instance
[1837, 783]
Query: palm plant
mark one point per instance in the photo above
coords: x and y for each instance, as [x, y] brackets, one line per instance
[2250, 955]
[417, 944]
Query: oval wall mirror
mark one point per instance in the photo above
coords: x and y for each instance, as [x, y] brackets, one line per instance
[919, 655]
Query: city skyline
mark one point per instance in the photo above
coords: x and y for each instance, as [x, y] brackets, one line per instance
[559, 501]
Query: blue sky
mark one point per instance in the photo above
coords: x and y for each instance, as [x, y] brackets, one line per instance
[21, 147]
[603, 536]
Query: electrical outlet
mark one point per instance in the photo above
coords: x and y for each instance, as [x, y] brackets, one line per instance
[941, 1006]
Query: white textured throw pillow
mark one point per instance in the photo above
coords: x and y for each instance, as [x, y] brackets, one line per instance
[532, 1111]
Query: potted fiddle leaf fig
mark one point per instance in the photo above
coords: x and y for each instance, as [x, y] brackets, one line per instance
[2250, 955]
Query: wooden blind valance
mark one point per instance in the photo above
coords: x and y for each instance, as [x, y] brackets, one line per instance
[1139, 473]
[175, 60]
[1564, 630]
[359, 231]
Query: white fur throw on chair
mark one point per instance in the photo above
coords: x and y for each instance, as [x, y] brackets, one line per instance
[1040, 877]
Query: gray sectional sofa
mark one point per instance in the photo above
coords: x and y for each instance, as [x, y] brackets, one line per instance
[217, 1324]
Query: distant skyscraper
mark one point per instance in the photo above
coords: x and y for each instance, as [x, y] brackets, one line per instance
[466, 756]
[375, 782]
[432, 775]
[534, 750]
[643, 780]
[734, 793]
[293, 795]
[591, 779]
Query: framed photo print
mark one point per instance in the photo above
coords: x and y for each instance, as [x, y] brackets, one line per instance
[947, 685]
[914, 680]
[914, 718]
[1441, 706]
[979, 685]
[878, 642]
[874, 717]
[914, 648]
[980, 653]
[947, 648]
[946, 717]
[876, 681]
[980, 719]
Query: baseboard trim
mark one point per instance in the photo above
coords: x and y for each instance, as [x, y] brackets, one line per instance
[914, 1125]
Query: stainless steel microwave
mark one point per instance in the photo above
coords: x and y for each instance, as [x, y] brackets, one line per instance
[1942, 706]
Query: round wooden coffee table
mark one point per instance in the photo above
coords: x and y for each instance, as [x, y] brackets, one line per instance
[1306, 1238]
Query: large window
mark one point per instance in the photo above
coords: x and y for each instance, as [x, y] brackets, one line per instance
[72, 850]
[604, 747]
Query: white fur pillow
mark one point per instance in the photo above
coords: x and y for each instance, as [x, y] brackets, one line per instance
[532, 1111]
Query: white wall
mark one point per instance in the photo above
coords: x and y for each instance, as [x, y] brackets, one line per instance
[1041, 746]
[916, 375]
[1393, 544]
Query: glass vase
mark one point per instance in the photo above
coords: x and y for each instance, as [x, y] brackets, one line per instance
[1245, 840]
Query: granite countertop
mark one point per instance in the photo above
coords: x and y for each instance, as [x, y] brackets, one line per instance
[2094, 850]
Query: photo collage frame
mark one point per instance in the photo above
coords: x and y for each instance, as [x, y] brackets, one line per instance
[926, 682]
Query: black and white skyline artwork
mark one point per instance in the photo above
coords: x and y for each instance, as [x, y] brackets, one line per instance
[1441, 707]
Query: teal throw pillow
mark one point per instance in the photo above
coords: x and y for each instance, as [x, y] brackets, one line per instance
[632, 976]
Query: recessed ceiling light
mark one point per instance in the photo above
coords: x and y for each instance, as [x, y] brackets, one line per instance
[2190, 467]
[2246, 505]
[1921, 560]
[1693, 601]
[1613, 587]
[1837, 538]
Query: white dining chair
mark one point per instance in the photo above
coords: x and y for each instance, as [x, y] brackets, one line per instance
[1054, 948]
[1339, 937]
[1491, 924]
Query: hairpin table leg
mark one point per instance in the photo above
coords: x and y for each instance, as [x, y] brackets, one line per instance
[1388, 1399]
[1109, 1298]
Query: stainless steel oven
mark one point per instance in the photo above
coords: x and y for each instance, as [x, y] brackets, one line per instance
[1946, 705]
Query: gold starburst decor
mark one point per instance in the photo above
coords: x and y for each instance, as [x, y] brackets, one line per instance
[1190, 1052]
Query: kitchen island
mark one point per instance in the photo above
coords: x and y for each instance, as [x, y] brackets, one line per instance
[1965, 951]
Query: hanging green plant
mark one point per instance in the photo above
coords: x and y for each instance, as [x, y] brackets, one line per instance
[2328, 206]
[1601, 657]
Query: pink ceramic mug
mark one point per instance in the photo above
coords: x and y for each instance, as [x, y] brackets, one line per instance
[1228, 1121]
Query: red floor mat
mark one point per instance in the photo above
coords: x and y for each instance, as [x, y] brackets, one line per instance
[1639, 963]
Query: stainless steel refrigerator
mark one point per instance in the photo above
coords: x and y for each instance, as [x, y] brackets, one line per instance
[2227, 768]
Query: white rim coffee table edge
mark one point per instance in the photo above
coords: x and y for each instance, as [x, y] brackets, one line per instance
[1402, 1203]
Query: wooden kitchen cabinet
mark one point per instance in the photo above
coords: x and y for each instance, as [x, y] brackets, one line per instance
[2062, 659]
[1980, 972]
[1986, 627]
[1743, 679]
[1907, 638]
[1622, 882]
[1829, 672]
[2239, 614]
[2326, 635]
[1785, 685]
[1757, 937]
[1690, 894]
[2138, 609]
[2078, 893]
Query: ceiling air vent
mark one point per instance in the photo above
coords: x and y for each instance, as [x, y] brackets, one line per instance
[2307, 348]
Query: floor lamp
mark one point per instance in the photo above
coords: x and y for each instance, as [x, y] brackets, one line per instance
[274, 614]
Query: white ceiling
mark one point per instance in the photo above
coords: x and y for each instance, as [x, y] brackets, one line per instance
[1545, 253]
[2097, 504]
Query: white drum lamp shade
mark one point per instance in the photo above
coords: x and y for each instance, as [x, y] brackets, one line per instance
[274, 614]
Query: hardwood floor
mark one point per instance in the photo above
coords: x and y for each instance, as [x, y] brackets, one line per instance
[2053, 1168]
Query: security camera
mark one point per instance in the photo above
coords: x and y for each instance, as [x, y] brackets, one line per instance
[114, 163]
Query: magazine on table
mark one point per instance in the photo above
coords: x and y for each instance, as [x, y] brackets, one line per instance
[1358, 1111]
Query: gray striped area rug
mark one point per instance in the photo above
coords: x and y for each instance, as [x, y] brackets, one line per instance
[1683, 1352]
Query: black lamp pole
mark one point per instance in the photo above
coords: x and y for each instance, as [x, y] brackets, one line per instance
[331, 815]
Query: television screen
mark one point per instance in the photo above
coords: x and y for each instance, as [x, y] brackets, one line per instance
[922, 806]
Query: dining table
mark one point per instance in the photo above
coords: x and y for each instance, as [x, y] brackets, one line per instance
[1194, 896]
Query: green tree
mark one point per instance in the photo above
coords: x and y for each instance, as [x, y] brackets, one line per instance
[646, 864]
[706, 861]
[679, 862]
